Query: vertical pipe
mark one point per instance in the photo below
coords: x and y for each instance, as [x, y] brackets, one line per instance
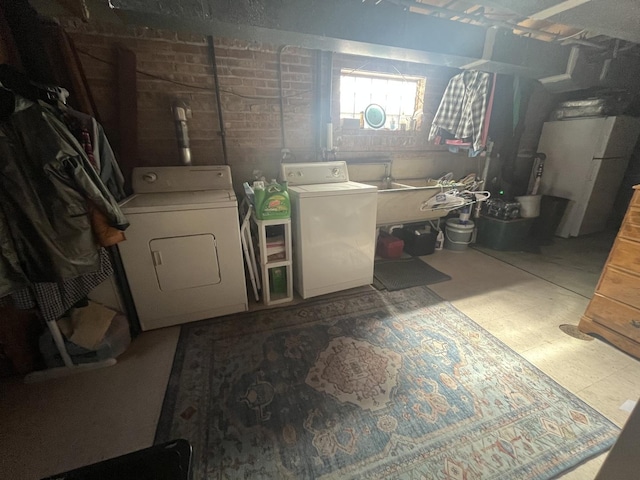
[214, 64]
[283, 138]
[329, 101]
[318, 102]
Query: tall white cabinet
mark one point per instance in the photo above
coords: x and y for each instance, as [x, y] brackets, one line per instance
[586, 161]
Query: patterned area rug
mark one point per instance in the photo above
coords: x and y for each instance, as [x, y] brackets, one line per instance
[374, 385]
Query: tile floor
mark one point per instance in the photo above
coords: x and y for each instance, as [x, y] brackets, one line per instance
[62, 424]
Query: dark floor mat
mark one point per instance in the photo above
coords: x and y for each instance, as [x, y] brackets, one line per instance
[377, 285]
[406, 273]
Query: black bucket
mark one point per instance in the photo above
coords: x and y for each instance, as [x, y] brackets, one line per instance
[551, 212]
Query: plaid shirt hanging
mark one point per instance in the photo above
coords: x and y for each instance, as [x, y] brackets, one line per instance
[463, 108]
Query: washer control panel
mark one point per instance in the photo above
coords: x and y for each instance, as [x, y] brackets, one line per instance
[314, 173]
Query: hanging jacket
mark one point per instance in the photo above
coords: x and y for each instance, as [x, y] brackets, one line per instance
[12, 276]
[46, 181]
[100, 154]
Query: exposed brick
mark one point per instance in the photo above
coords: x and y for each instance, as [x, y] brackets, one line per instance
[298, 69]
[246, 68]
[255, 82]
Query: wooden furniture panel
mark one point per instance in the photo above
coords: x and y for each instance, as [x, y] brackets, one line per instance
[614, 311]
[633, 215]
[620, 286]
[626, 255]
[617, 316]
[628, 230]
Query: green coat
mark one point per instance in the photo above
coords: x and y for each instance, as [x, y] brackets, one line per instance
[45, 182]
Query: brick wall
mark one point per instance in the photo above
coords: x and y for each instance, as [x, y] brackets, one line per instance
[249, 94]
[248, 74]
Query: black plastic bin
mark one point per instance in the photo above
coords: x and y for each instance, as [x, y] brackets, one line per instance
[417, 242]
[551, 212]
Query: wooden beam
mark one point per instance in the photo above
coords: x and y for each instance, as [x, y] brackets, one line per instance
[556, 9]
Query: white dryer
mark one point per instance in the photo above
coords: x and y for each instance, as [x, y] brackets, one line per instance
[183, 256]
[333, 225]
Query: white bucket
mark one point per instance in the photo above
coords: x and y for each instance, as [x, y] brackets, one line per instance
[529, 205]
[458, 235]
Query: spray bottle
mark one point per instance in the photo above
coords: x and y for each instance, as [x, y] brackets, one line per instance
[439, 237]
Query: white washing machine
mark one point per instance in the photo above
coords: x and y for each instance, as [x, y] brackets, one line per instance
[183, 256]
[333, 228]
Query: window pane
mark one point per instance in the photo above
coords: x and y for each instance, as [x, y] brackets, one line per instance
[395, 94]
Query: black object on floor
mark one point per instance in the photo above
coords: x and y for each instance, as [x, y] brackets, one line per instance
[167, 461]
[551, 212]
[406, 273]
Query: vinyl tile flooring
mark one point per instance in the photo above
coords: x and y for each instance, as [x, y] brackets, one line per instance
[57, 425]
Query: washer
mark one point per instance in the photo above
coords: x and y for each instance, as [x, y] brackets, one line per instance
[183, 256]
[333, 228]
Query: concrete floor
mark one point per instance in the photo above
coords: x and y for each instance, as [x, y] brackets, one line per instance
[62, 424]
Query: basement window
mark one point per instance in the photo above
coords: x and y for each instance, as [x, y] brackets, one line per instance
[401, 97]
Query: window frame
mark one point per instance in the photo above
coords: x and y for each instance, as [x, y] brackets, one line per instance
[412, 121]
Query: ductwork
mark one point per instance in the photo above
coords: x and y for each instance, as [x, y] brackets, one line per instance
[581, 72]
[390, 32]
[588, 68]
[393, 35]
[507, 53]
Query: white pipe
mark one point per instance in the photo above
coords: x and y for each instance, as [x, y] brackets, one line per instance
[329, 145]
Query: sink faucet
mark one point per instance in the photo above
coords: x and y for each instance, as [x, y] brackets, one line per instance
[387, 180]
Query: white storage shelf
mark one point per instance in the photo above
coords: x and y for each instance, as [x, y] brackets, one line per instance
[261, 226]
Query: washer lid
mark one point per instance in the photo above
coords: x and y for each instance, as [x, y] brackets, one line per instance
[176, 201]
[332, 189]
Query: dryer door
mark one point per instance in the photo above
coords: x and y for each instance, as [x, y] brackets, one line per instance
[185, 262]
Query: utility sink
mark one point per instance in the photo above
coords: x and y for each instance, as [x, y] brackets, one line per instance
[387, 186]
[406, 202]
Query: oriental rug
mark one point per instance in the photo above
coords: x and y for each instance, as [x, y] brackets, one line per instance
[371, 385]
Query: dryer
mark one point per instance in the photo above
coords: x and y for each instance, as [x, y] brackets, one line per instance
[183, 256]
[333, 227]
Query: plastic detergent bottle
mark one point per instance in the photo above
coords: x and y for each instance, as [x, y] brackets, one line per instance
[272, 202]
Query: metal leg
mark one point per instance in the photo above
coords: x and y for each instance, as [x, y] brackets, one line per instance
[69, 368]
[59, 341]
[245, 236]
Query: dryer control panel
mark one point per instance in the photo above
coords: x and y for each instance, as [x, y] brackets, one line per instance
[314, 173]
[181, 179]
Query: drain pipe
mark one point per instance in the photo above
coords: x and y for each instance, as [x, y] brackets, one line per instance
[214, 65]
[181, 113]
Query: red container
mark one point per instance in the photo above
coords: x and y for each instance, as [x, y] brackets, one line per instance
[389, 246]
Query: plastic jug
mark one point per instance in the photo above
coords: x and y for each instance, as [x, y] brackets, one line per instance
[272, 202]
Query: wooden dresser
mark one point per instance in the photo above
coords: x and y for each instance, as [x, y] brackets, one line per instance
[614, 310]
